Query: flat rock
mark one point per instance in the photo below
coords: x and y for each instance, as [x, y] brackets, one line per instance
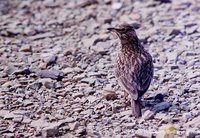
[25, 71]
[194, 122]
[117, 5]
[143, 133]
[192, 133]
[26, 48]
[53, 74]
[148, 115]
[109, 95]
[51, 130]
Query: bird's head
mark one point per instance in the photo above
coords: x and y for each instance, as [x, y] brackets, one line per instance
[126, 34]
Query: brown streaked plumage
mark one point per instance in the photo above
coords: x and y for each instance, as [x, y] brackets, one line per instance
[134, 68]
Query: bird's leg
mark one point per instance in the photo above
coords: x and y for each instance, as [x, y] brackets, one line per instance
[126, 101]
[136, 108]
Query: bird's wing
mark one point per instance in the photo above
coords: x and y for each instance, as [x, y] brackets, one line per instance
[144, 76]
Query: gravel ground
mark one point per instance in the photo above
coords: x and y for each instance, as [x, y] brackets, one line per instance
[56, 68]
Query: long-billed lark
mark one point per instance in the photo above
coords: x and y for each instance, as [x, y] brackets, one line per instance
[134, 68]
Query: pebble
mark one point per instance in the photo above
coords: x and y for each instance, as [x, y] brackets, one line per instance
[186, 116]
[53, 74]
[81, 131]
[50, 131]
[129, 125]
[194, 122]
[25, 71]
[117, 6]
[74, 126]
[143, 133]
[67, 70]
[26, 48]
[192, 75]
[109, 95]
[52, 60]
[18, 119]
[192, 133]
[148, 115]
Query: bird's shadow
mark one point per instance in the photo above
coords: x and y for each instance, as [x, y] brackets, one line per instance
[155, 103]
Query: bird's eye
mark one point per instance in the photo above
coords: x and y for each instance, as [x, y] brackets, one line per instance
[123, 29]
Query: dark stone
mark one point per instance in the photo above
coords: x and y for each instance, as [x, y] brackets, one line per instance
[53, 74]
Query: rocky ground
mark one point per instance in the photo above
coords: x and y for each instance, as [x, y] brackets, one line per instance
[56, 68]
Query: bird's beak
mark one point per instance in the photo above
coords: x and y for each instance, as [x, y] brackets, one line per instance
[116, 30]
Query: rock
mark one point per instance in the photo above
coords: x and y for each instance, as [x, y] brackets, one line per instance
[35, 85]
[176, 32]
[88, 42]
[27, 102]
[198, 106]
[130, 125]
[160, 116]
[10, 69]
[88, 80]
[29, 31]
[18, 119]
[164, 1]
[49, 84]
[81, 131]
[50, 3]
[25, 71]
[6, 114]
[192, 75]
[194, 87]
[26, 120]
[3, 80]
[74, 126]
[192, 133]
[143, 133]
[52, 60]
[7, 84]
[194, 122]
[91, 98]
[77, 95]
[186, 116]
[39, 124]
[117, 5]
[67, 70]
[191, 29]
[109, 95]
[53, 74]
[26, 48]
[69, 120]
[172, 57]
[8, 135]
[148, 115]
[51, 131]
[69, 51]
[126, 113]
[42, 36]
[86, 3]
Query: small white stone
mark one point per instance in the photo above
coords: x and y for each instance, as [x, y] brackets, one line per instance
[187, 116]
[117, 5]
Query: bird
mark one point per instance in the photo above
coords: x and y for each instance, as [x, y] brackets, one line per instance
[134, 66]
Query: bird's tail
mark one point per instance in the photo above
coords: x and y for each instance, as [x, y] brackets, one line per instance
[136, 108]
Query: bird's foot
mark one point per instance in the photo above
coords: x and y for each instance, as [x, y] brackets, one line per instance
[126, 100]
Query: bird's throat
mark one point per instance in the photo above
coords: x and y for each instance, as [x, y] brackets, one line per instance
[131, 47]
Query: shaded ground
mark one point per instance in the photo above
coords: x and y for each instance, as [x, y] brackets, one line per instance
[70, 37]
